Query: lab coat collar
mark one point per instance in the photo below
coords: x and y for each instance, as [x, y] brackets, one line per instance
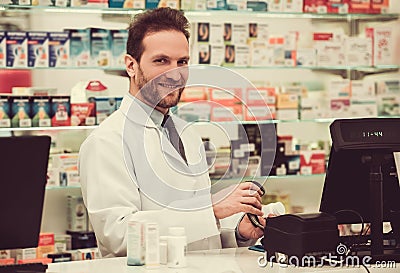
[134, 112]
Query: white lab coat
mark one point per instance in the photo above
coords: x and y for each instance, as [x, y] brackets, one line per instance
[130, 171]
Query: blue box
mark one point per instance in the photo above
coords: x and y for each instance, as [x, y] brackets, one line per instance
[38, 49]
[119, 37]
[79, 47]
[59, 44]
[16, 49]
[105, 106]
[41, 111]
[116, 3]
[5, 120]
[2, 48]
[100, 47]
[20, 111]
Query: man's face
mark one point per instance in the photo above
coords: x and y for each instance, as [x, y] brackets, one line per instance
[161, 75]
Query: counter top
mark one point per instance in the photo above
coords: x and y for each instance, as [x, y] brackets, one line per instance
[233, 260]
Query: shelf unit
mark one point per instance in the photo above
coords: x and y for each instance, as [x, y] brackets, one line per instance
[302, 183]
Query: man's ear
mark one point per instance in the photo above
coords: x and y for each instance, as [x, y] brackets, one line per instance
[130, 65]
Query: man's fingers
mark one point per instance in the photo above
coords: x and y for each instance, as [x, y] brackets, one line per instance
[253, 201]
[251, 209]
[252, 188]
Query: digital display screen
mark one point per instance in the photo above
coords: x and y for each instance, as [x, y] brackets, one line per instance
[378, 132]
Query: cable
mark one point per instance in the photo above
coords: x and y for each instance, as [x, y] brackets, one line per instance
[362, 224]
[366, 268]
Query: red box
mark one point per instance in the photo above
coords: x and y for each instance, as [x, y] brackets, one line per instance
[338, 6]
[83, 114]
[226, 96]
[312, 162]
[194, 93]
[359, 6]
[45, 245]
[38, 260]
[7, 261]
[61, 110]
[315, 6]
[379, 6]
[322, 36]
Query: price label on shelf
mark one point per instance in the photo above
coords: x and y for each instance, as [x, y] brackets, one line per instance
[5, 123]
[44, 123]
[25, 123]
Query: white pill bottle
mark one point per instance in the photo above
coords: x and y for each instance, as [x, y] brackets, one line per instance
[177, 243]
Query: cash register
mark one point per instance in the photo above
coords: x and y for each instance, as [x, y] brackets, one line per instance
[23, 169]
[361, 187]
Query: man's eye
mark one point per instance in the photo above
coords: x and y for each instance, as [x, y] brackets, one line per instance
[160, 61]
[183, 62]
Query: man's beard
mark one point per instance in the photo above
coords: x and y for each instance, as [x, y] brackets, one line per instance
[149, 91]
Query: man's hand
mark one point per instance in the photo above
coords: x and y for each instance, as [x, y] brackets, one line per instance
[245, 197]
[248, 230]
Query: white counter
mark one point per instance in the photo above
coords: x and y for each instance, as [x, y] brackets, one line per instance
[232, 260]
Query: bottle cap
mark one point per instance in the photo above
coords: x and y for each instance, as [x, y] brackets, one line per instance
[176, 231]
[163, 239]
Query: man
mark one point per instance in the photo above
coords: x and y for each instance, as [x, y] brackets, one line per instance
[129, 168]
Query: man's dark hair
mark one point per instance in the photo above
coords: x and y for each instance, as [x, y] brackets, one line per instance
[152, 21]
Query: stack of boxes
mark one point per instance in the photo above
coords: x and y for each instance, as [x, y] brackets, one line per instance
[91, 47]
[41, 107]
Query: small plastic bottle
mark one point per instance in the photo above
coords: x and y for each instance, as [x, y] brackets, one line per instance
[163, 250]
[177, 247]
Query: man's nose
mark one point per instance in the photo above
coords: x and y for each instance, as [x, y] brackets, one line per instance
[173, 74]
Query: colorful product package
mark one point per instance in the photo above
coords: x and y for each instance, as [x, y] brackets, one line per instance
[2, 48]
[338, 6]
[100, 48]
[118, 101]
[20, 111]
[79, 47]
[315, 6]
[41, 111]
[359, 6]
[312, 162]
[60, 3]
[59, 44]
[383, 44]
[379, 6]
[38, 49]
[60, 110]
[5, 120]
[77, 214]
[83, 114]
[105, 106]
[118, 47]
[45, 245]
[16, 49]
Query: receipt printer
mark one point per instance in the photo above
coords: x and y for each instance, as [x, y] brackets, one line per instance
[299, 235]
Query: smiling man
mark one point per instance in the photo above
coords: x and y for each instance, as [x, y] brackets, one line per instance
[145, 164]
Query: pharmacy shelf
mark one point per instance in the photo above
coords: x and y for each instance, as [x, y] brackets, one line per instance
[63, 187]
[197, 123]
[121, 70]
[271, 177]
[55, 128]
[225, 180]
[201, 13]
[274, 182]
